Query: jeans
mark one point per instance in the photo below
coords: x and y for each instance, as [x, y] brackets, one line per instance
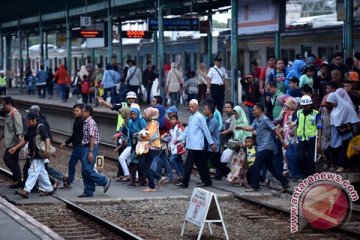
[124, 156]
[265, 158]
[146, 161]
[174, 98]
[12, 162]
[38, 173]
[54, 172]
[41, 91]
[177, 163]
[74, 158]
[62, 92]
[90, 177]
[161, 162]
[112, 94]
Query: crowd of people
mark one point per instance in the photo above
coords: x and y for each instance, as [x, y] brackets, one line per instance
[291, 117]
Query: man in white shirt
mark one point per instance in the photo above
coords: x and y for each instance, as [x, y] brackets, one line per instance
[216, 79]
[133, 78]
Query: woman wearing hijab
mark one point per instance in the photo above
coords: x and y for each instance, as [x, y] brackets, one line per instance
[135, 125]
[174, 83]
[344, 95]
[202, 82]
[62, 79]
[342, 119]
[326, 133]
[235, 144]
[153, 138]
[122, 138]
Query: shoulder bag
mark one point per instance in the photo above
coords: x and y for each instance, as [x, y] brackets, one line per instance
[41, 144]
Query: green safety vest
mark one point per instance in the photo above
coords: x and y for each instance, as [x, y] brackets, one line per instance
[306, 125]
[120, 119]
[2, 81]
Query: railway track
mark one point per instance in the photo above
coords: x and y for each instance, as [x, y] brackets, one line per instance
[71, 221]
[350, 228]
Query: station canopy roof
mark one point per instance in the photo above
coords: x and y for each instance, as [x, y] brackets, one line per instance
[25, 15]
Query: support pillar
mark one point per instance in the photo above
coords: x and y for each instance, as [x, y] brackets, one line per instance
[93, 56]
[120, 49]
[209, 36]
[109, 32]
[348, 28]
[41, 36]
[21, 62]
[277, 50]
[68, 41]
[161, 47]
[8, 52]
[27, 50]
[1, 51]
[155, 42]
[46, 51]
[234, 48]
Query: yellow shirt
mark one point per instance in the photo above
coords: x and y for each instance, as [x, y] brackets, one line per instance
[250, 155]
[153, 128]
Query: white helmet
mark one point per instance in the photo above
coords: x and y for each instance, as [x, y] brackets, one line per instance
[131, 95]
[306, 100]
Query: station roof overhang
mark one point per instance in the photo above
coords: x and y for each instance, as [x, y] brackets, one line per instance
[26, 15]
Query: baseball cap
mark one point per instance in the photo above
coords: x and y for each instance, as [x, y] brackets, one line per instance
[249, 76]
[218, 59]
[353, 76]
[34, 109]
[172, 109]
[31, 115]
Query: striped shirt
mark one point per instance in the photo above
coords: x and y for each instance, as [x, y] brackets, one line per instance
[90, 130]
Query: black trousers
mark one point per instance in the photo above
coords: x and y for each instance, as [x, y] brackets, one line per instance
[305, 156]
[218, 94]
[12, 162]
[222, 169]
[199, 158]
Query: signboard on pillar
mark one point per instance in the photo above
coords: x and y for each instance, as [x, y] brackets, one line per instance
[203, 208]
[85, 21]
[258, 16]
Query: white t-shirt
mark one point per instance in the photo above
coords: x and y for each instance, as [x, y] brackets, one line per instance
[215, 77]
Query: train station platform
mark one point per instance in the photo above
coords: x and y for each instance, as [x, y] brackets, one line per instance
[16, 224]
[120, 191]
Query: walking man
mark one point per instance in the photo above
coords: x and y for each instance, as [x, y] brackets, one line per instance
[37, 171]
[90, 144]
[13, 135]
[195, 133]
[75, 139]
[216, 79]
[265, 145]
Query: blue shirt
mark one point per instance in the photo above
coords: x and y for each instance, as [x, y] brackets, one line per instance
[264, 133]
[196, 132]
[214, 132]
[41, 77]
[110, 78]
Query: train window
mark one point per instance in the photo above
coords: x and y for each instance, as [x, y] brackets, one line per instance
[326, 53]
[288, 54]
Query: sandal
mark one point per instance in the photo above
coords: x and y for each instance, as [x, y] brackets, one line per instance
[340, 170]
[149, 190]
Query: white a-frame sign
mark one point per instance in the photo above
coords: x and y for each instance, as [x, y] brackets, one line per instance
[204, 208]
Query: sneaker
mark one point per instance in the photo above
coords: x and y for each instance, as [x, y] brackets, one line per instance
[107, 185]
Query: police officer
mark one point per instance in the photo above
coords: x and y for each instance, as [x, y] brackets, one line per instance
[216, 79]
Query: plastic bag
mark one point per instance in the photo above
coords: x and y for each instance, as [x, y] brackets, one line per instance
[226, 156]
